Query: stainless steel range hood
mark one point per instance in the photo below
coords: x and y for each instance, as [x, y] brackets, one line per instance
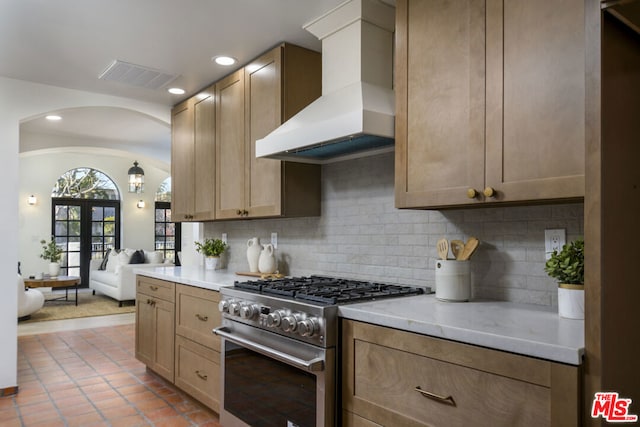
[355, 115]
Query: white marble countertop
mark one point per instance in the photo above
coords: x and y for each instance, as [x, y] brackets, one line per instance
[530, 330]
[194, 276]
[519, 328]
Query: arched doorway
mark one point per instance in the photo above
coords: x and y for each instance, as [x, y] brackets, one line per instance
[85, 218]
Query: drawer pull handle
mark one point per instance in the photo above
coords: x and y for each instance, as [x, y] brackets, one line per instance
[153, 288]
[201, 376]
[201, 317]
[446, 400]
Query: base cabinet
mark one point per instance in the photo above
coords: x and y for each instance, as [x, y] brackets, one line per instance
[397, 378]
[155, 320]
[174, 336]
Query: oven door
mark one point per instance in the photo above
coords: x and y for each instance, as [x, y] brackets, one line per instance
[271, 380]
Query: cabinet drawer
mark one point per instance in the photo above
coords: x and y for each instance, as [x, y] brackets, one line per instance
[156, 288]
[398, 378]
[198, 372]
[197, 315]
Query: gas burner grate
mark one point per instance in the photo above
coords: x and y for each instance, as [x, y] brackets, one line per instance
[327, 290]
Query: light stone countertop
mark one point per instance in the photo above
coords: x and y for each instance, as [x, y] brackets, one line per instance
[525, 329]
[194, 276]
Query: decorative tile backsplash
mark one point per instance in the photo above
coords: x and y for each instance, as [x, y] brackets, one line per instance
[361, 235]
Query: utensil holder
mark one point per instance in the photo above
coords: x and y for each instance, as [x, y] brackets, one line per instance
[453, 280]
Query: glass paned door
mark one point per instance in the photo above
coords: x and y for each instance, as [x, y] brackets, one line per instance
[85, 230]
[167, 233]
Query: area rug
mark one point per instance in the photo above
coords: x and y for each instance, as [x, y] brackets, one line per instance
[88, 305]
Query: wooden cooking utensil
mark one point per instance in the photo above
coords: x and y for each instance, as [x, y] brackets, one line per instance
[469, 248]
[457, 247]
[443, 248]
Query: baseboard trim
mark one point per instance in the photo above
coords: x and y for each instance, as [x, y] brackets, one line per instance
[8, 391]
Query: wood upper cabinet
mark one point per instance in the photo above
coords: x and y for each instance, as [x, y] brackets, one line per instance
[193, 158]
[402, 379]
[269, 90]
[490, 102]
[230, 146]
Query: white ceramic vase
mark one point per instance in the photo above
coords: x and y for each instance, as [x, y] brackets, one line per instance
[253, 253]
[211, 262]
[267, 260]
[571, 301]
[54, 269]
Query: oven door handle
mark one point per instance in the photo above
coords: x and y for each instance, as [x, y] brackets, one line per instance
[313, 365]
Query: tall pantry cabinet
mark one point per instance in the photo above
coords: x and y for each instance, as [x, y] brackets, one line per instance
[490, 102]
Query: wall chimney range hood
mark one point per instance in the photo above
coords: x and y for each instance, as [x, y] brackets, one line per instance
[355, 115]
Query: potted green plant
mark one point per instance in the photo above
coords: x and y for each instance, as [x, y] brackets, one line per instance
[211, 249]
[567, 267]
[52, 253]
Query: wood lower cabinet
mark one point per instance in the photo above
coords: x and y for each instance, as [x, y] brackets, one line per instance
[155, 320]
[197, 351]
[397, 378]
[490, 102]
[174, 336]
[193, 157]
[251, 103]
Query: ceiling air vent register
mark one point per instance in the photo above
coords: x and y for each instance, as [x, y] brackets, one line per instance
[136, 75]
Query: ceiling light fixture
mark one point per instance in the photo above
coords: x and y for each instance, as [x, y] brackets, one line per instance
[53, 117]
[136, 179]
[176, 91]
[224, 60]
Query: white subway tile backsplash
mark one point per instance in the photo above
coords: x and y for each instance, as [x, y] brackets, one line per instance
[361, 234]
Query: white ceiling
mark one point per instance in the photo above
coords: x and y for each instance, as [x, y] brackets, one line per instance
[70, 43]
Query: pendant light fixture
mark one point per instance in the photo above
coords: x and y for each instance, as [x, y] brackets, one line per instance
[136, 178]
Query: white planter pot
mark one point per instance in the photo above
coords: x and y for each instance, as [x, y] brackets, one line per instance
[211, 262]
[571, 301]
[54, 269]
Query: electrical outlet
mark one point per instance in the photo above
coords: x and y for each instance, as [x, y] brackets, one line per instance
[224, 237]
[274, 240]
[554, 240]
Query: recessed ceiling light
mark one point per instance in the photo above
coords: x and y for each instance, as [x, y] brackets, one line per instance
[176, 91]
[53, 117]
[224, 60]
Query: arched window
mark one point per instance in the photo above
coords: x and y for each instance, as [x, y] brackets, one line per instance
[167, 233]
[85, 218]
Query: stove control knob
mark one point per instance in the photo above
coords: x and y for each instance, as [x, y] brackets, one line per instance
[308, 327]
[275, 319]
[249, 311]
[234, 308]
[223, 306]
[289, 323]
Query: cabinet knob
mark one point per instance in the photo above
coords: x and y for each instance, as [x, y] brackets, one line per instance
[489, 192]
[239, 212]
[471, 193]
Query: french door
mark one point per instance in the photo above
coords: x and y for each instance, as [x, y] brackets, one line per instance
[85, 230]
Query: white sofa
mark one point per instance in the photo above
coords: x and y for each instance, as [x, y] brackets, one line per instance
[118, 279]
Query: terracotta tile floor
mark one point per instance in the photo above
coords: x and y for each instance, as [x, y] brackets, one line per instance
[90, 377]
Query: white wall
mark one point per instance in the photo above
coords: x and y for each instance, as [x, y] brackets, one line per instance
[20, 100]
[39, 171]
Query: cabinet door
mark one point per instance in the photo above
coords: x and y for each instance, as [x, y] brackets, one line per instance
[535, 99]
[182, 161]
[263, 107]
[204, 155]
[145, 335]
[164, 319]
[230, 146]
[440, 98]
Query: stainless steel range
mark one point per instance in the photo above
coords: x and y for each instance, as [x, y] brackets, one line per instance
[279, 348]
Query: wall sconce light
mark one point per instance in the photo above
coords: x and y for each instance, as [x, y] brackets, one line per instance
[32, 200]
[140, 204]
[136, 178]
